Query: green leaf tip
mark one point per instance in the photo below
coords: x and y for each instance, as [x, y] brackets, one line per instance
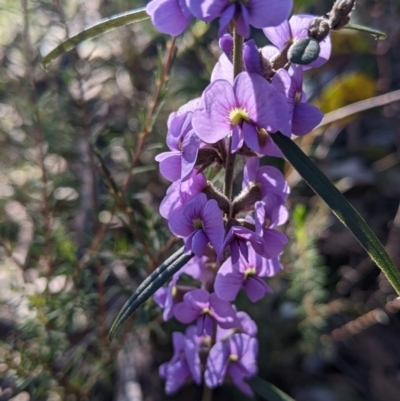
[339, 205]
[149, 286]
[374, 32]
[104, 25]
[267, 390]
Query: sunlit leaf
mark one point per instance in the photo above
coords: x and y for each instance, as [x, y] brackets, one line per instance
[374, 32]
[339, 205]
[104, 25]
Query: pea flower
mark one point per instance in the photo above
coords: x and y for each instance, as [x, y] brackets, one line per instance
[248, 110]
[246, 274]
[199, 224]
[169, 16]
[185, 363]
[206, 308]
[304, 117]
[235, 357]
[184, 145]
[258, 13]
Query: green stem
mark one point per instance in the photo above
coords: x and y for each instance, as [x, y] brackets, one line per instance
[207, 394]
[237, 69]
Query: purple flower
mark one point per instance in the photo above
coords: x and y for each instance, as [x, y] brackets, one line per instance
[304, 117]
[270, 212]
[238, 238]
[180, 193]
[294, 29]
[199, 223]
[169, 16]
[235, 357]
[206, 308]
[184, 144]
[231, 277]
[246, 325]
[258, 13]
[184, 364]
[270, 179]
[247, 110]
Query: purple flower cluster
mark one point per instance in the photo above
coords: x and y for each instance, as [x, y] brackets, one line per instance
[235, 240]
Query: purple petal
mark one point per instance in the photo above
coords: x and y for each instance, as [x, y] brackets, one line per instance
[279, 35]
[223, 312]
[228, 281]
[250, 170]
[222, 70]
[247, 324]
[274, 242]
[242, 21]
[193, 304]
[237, 139]
[216, 366]
[256, 288]
[226, 45]
[252, 58]
[193, 360]
[199, 243]
[211, 121]
[168, 17]
[305, 118]
[213, 224]
[206, 10]
[177, 374]
[271, 13]
[226, 17]
[170, 165]
[160, 296]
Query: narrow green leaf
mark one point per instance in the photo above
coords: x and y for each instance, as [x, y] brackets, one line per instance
[374, 32]
[267, 390]
[343, 210]
[149, 286]
[104, 25]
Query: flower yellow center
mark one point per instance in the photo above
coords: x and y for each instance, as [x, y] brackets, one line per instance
[174, 291]
[237, 115]
[297, 97]
[233, 358]
[206, 311]
[250, 271]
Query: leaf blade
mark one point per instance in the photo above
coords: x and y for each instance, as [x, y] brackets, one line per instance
[339, 205]
[267, 390]
[361, 28]
[149, 286]
[104, 25]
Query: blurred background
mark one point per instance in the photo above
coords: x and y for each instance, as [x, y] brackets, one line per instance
[79, 197]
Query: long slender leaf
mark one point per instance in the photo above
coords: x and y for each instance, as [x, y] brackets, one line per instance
[104, 25]
[377, 34]
[267, 390]
[149, 286]
[344, 211]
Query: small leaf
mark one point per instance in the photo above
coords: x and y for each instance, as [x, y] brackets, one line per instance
[104, 25]
[374, 32]
[267, 390]
[149, 286]
[343, 210]
[304, 51]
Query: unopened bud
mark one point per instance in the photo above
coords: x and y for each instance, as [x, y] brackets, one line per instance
[304, 51]
[213, 193]
[245, 201]
[339, 16]
[319, 29]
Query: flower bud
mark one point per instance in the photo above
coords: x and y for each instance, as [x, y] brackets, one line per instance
[319, 29]
[245, 201]
[213, 193]
[339, 16]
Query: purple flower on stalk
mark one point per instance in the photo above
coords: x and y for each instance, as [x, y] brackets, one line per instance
[268, 178]
[270, 212]
[258, 13]
[246, 325]
[199, 223]
[237, 239]
[245, 274]
[304, 117]
[184, 145]
[185, 363]
[235, 357]
[180, 193]
[248, 110]
[294, 29]
[169, 16]
[206, 308]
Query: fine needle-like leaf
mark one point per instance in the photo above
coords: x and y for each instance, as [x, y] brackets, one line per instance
[267, 390]
[104, 25]
[374, 32]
